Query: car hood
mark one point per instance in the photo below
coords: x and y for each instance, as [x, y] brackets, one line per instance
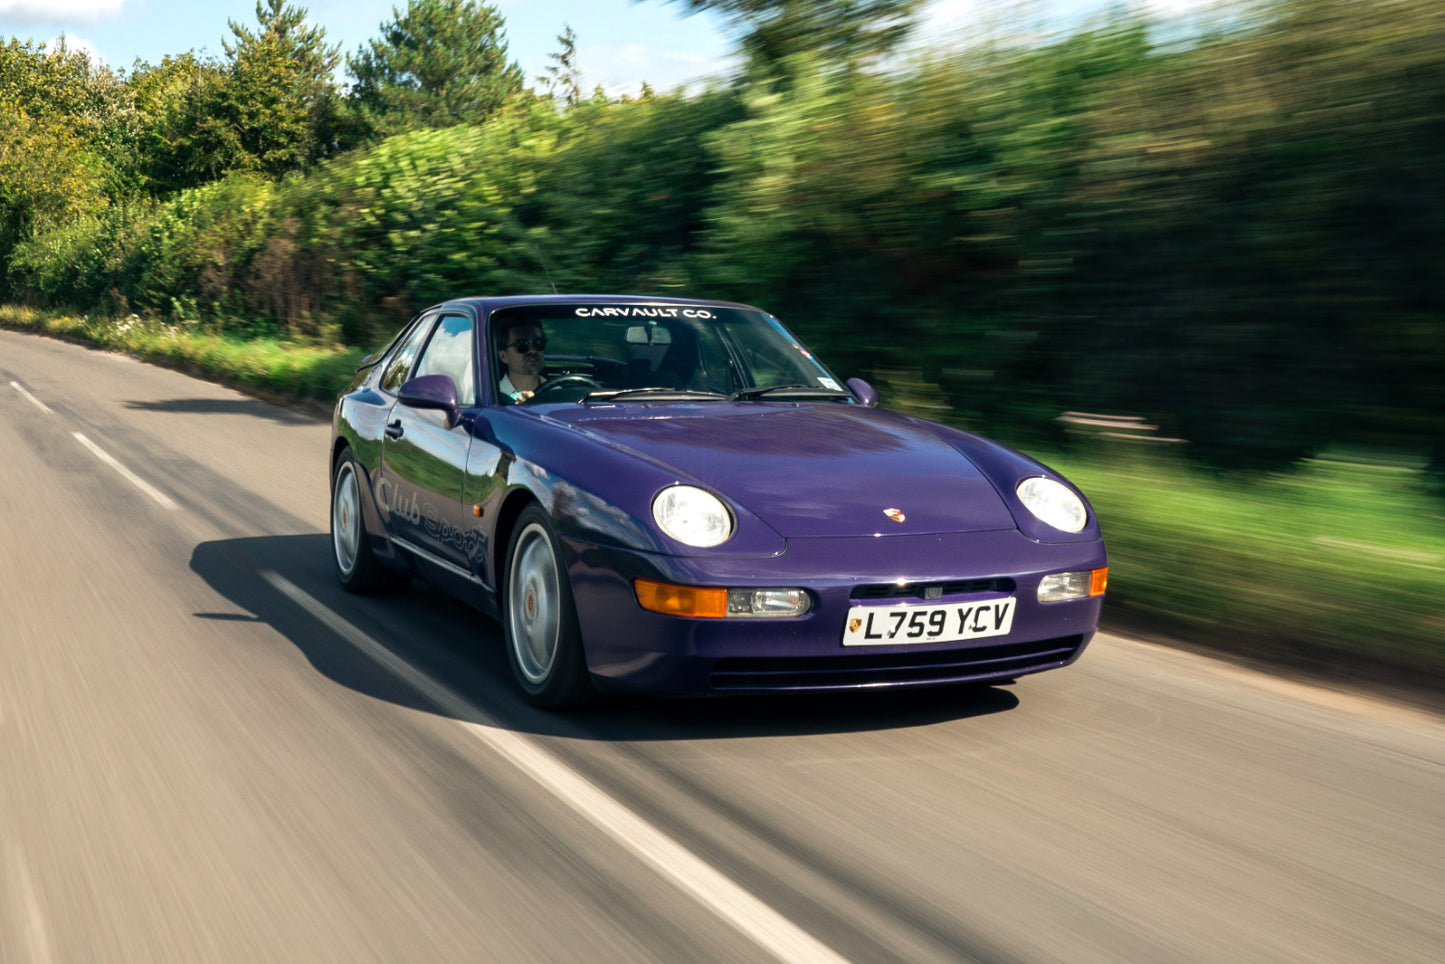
[808, 470]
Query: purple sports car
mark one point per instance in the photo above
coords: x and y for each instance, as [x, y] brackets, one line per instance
[676, 496]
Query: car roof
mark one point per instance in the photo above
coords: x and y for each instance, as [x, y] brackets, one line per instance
[486, 304]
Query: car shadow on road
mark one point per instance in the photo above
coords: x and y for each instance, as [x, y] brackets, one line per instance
[248, 407]
[458, 647]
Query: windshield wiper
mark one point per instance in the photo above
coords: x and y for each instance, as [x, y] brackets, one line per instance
[654, 393]
[792, 391]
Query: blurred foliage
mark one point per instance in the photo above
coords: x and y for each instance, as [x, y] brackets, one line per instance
[1339, 564]
[622, 202]
[417, 218]
[841, 32]
[1265, 211]
[1233, 233]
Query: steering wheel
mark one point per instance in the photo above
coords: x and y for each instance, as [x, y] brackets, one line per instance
[560, 381]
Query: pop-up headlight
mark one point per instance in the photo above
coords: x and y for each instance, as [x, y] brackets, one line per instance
[1053, 503]
[692, 516]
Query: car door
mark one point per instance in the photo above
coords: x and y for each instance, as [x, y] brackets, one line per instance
[424, 451]
[377, 416]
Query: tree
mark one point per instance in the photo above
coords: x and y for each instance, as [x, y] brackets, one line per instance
[60, 115]
[841, 31]
[53, 81]
[564, 79]
[47, 177]
[272, 109]
[441, 63]
[171, 99]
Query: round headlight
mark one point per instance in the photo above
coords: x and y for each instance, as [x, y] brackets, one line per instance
[1053, 503]
[692, 516]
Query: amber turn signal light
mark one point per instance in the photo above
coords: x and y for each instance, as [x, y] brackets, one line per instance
[670, 600]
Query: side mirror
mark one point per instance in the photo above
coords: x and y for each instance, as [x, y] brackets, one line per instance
[864, 392]
[432, 391]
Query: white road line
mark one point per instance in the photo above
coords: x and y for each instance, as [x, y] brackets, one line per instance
[125, 473]
[769, 929]
[32, 399]
[36, 934]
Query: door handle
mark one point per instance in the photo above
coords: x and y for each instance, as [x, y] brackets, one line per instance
[394, 430]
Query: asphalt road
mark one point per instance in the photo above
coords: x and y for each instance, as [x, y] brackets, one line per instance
[209, 752]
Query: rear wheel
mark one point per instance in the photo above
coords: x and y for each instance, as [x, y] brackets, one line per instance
[357, 567]
[544, 642]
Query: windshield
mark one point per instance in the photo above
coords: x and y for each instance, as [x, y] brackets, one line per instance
[601, 351]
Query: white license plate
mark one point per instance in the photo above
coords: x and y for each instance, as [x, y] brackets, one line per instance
[910, 625]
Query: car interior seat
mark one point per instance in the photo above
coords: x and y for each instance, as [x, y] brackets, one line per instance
[659, 356]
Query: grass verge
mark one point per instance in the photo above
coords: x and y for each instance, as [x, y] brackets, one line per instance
[1338, 566]
[278, 369]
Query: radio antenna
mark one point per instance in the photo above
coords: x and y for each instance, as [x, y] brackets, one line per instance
[544, 268]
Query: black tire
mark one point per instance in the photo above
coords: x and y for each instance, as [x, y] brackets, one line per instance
[539, 618]
[357, 567]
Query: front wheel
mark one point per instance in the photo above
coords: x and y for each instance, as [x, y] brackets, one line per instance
[544, 643]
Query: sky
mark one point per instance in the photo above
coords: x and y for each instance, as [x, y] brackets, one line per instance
[620, 43]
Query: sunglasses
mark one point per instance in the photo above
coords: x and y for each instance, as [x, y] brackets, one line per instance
[525, 345]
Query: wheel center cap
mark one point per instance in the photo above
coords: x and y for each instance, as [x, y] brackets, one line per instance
[531, 604]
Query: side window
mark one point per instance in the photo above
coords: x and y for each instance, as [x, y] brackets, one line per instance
[450, 353]
[400, 363]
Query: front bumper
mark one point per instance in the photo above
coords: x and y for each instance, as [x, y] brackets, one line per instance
[630, 646]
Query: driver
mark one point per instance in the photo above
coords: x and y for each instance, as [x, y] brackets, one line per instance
[520, 346]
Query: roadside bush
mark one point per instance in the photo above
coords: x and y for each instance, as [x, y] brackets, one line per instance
[621, 204]
[418, 218]
[198, 245]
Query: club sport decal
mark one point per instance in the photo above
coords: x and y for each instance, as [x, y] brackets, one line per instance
[470, 542]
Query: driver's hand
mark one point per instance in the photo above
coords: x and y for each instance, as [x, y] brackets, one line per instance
[522, 396]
